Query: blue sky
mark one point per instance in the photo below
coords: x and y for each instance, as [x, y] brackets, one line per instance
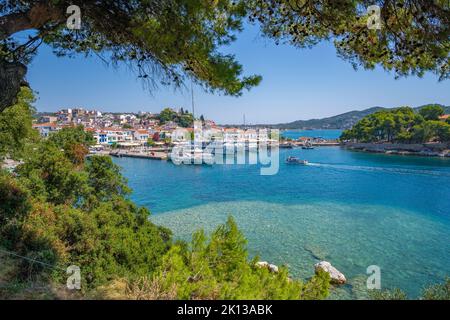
[297, 84]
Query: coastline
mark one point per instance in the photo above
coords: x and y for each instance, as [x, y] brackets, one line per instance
[441, 150]
[298, 222]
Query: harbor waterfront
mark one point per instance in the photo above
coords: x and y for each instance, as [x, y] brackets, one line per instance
[350, 208]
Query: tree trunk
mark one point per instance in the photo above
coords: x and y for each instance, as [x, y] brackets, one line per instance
[12, 76]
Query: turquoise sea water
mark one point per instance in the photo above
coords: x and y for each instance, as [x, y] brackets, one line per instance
[352, 209]
[326, 134]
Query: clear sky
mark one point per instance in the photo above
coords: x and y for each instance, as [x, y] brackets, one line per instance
[297, 84]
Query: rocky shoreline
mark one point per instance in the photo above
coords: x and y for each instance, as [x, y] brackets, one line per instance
[425, 150]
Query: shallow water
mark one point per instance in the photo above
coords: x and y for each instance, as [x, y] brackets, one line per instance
[352, 209]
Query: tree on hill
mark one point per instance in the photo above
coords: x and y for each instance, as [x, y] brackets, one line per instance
[431, 112]
[184, 120]
[167, 115]
[400, 125]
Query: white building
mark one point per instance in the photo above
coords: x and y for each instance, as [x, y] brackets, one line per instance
[141, 136]
[233, 134]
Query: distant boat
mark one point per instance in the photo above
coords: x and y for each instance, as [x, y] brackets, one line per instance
[196, 156]
[286, 146]
[295, 160]
[308, 146]
[229, 148]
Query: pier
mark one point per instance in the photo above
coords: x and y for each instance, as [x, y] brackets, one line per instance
[154, 155]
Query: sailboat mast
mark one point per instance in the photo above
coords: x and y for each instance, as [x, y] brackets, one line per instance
[192, 95]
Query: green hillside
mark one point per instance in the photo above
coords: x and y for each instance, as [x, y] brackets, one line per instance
[341, 121]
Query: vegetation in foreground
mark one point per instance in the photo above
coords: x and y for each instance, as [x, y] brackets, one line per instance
[402, 125]
[440, 291]
[61, 208]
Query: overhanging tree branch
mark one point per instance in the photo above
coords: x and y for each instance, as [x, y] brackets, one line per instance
[38, 16]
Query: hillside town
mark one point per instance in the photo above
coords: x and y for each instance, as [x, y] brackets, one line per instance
[146, 131]
[121, 129]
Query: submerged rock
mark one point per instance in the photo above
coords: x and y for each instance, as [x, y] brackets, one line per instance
[316, 252]
[336, 276]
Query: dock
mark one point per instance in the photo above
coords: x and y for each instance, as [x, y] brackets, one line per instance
[144, 155]
[298, 144]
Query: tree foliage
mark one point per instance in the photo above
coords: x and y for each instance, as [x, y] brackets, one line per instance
[171, 41]
[163, 41]
[105, 179]
[413, 37]
[74, 141]
[51, 176]
[400, 125]
[15, 125]
[431, 112]
[218, 267]
[439, 291]
[62, 212]
[183, 119]
[78, 216]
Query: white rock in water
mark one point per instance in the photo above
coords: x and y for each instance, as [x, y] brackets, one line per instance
[273, 268]
[262, 264]
[336, 276]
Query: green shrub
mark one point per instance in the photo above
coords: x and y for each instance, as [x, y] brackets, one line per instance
[219, 268]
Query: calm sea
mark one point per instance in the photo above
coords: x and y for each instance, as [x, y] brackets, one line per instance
[352, 209]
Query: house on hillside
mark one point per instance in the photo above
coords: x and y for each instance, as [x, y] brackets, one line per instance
[45, 129]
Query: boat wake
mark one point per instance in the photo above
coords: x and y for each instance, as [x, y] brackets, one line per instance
[381, 169]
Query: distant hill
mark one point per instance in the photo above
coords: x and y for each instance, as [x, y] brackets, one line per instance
[341, 121]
